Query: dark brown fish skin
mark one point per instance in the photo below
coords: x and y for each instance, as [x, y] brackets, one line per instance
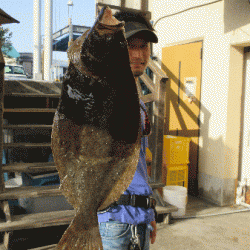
[96, 129]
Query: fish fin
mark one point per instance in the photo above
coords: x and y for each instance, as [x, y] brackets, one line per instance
[66, 190]
[80, 236]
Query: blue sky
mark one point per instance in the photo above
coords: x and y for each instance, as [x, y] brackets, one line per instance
[22, 10]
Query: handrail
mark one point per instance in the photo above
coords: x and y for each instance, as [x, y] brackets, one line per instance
[158, 88]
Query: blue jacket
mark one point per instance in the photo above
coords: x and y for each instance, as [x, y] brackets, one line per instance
[139, 186]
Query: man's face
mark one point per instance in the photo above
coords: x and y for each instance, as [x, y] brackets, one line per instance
[139, 53]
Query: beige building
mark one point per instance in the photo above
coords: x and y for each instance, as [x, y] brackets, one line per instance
[203, 47]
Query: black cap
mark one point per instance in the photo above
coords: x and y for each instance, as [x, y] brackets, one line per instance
[132, 28]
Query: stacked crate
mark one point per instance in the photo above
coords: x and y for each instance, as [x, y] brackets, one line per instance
[176, 159]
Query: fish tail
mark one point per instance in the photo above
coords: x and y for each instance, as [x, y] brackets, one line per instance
[81, 237]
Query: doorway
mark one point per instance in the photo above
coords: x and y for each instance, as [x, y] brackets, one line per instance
[182, 64]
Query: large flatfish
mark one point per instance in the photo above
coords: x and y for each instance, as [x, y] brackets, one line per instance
[96, 128]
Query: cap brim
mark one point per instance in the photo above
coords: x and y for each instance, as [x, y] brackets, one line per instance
[5, 18]
[149, 35]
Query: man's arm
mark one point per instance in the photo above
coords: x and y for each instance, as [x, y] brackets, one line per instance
[153, 233]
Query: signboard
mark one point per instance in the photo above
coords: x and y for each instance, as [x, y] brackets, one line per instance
[190, 84]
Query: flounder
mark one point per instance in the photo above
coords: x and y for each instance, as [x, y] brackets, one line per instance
[96, 128]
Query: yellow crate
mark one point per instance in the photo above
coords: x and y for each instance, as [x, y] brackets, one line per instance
[175, 150]
[177, 175]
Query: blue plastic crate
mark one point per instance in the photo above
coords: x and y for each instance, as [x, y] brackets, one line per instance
[33, 179]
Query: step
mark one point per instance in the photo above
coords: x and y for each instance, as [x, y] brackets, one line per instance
[24, 126]
[156, 185]
[38, 220]
[26, 144]
[50, 247]
[33, 95]
[168, 209]
[30, 191]
[29, 167]
[30, 110]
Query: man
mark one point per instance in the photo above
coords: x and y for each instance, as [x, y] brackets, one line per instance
[133, 217]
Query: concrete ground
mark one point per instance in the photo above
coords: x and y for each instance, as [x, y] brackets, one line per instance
[204, 229]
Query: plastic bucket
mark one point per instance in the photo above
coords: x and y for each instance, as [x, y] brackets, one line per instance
[177, 196]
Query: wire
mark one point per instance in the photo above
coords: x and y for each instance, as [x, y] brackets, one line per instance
[198, 6]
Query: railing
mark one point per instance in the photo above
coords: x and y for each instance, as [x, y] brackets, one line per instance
[157, 86]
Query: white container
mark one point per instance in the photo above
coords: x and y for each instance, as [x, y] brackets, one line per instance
[177, 196]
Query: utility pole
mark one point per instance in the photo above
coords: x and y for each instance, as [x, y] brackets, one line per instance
[48, 40]
[37, 73]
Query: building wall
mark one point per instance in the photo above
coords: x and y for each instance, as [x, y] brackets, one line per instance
[134, 4]
[28, 66]
[26, 59]
[224, 28]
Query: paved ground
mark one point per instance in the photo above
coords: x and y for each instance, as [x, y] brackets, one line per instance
[227, 232]
[207, 231]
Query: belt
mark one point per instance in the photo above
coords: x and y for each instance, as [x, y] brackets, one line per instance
[133, 200]
[137, 201]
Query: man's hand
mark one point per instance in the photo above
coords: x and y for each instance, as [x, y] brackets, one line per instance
[153, 233]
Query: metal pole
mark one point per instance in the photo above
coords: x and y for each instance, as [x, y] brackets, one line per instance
[48, 40]
[70, 13]
[37, 73]
[2, 63]
[70, 31]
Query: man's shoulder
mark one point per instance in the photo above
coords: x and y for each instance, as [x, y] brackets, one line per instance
[143, 106]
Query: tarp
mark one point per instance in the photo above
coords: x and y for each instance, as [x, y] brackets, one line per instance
[11, 53]
[62, 44]
[5, 18]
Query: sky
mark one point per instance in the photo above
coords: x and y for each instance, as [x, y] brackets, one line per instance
[22, 10]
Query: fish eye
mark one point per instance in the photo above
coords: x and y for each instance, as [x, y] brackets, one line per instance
[108, 38]
[123, 44]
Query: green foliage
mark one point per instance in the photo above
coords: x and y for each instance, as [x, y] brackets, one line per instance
[5, 36]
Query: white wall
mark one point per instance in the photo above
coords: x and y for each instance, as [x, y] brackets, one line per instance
[219, 25]
[192, 25]
[134, 4]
